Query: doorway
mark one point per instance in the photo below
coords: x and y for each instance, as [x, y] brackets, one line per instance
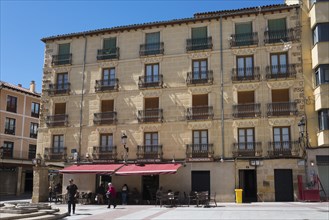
[28, 181]
[284, 191]
[150, 186]
[201, 181]
[248, 183]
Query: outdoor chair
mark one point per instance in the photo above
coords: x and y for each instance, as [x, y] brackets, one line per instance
[213, 199]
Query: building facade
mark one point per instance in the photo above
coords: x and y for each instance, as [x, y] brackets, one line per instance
[19, 117]
[217, 93]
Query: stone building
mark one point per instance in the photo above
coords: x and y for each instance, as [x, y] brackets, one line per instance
[19, 119]
[211, 99]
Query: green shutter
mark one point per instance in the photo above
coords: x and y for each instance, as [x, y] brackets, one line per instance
[64, 49]
[200, 32]
[110, 43]
[152, 38]
[243, 28]
[277, 24]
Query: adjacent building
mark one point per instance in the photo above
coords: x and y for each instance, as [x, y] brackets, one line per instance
[19, 120]
[214, 100]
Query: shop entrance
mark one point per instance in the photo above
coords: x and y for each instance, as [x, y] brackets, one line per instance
[102, 179]
[248, 182]
[201, 181]
[284, 191]
[150, 186]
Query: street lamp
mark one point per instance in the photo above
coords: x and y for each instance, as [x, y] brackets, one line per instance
[301, 126]
[124, 142]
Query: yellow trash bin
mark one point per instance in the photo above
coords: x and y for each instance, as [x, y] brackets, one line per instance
[238, 195]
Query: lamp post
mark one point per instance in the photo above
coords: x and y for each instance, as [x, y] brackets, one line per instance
[303, 138]
[124, 142]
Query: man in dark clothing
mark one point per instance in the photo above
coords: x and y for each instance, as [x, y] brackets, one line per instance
[72, 191]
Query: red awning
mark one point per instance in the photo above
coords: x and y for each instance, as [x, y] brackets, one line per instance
[92, 168]
[148, 169]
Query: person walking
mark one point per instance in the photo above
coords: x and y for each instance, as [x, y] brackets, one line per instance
[100, 194]
[124, 194]
[72, 193]
[111, 196]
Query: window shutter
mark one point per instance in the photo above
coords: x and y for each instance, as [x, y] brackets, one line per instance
[200, 32]
[152, 38]
[243, 28]
[110, 43]
[277, 24]
[64, 49]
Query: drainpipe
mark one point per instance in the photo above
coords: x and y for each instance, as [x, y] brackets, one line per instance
[221, 85]
[82, 96]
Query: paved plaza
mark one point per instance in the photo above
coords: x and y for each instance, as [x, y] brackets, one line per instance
[269, 210]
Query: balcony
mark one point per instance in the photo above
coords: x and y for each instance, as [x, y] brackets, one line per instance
[246, 110]
[245, 74]
[59, 89]
[281, 71]
[150, 115]
[57, 120]
[247, 149]
[197, 78]
[151, 49]
[107, 85]
[34, 135]
[281, 108]
[63, 59]
[202, 151]
[34, 115]
[153, 81]
[200, 113]
[149, 152]
[105, 153]
[283, 149]
[10, 131]
[55, 154]
[105, 118]
[108, 54]
[281, 36]
[199, 44]
[247, 39]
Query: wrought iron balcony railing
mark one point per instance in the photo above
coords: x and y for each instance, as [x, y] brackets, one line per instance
[200, 113]
[281, 108]
[199, 44]
[283, 149]
[281, 71]
[33, 135]
[246, 110]
[245, 74]
[150, 115]
[280, 36]
[149, 152]
[247, 149]
[202, 77]
[57, 120]
[108, 54]
[105, 118]
[10, 131]
[34, 115]
[107, 85]
[55, 154]
[151, 49]
[247, 39]
[199, 151]
[62, 59]
[104, 152]
[59, 89]
[153, 81]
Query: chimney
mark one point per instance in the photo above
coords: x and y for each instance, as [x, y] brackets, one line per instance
[19, 85]
[32, 86]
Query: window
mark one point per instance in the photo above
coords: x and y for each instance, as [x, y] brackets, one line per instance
[277, 30]
[321, 33]
[108, 77]
[64, 49]
[152, 73]
[11, 103]
[64, 56]
[10, 125]
[35, 109]
[32, 151]
[106, 142]
[8, 149]
[200, 68]
[323, 119]
[200, 137]
[110, 44]
[281, 138]
[34, 130]
[246, 138]
[151, 142]
[62, 81]
[279, 63]
[245, 66]
[58, 143]
[243, 34]
[107, 105]
[199, 33]
[322, 74]
[60, 108]
[152, 41]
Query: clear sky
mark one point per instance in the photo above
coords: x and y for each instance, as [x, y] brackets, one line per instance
[24, 23]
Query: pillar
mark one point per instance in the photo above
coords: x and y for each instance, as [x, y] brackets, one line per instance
[40, 184]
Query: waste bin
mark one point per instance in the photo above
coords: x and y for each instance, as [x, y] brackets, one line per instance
[238, 195]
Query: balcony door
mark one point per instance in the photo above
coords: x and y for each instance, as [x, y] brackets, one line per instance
[152, 73]
[247, 140]
[151, 141]
[278, 64]
[200, 68]
[58, 143]
[106, 142]
[110, 44]
[245, 66]
[60, 108]
[243, 32]
[281, 138]
[107, 106]
[152, 41]
[200, 143]
[108, 77]
[62, 81]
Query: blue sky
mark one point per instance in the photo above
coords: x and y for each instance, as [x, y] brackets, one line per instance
[24, 23]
